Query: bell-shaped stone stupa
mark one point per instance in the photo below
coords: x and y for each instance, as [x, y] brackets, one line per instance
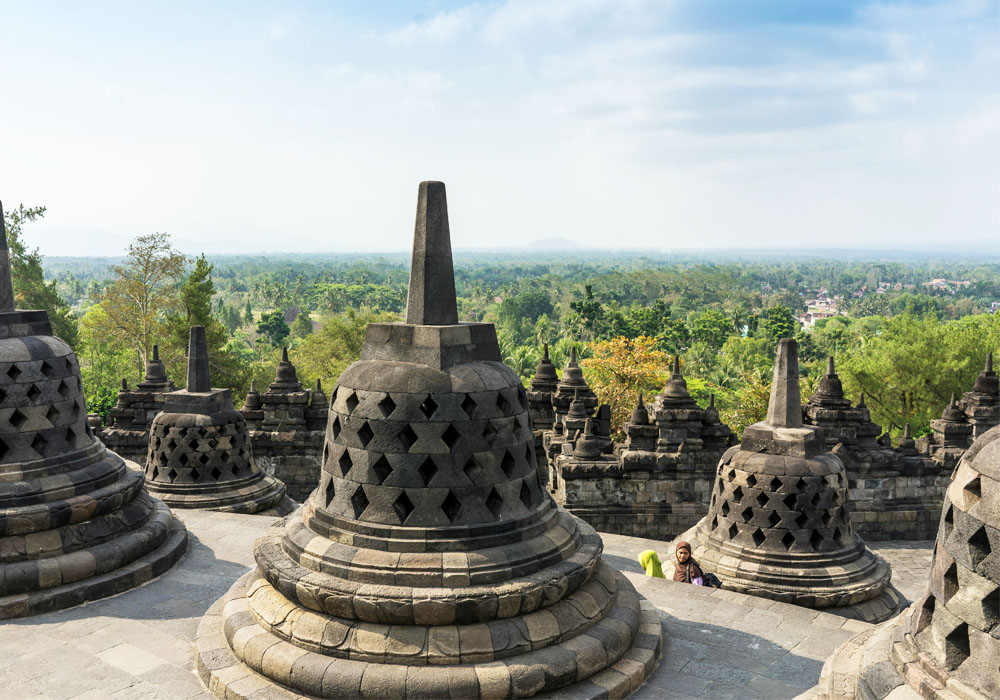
[199, 449]
[947, 645]
[429, 562]
[778, 524]
[75, 524]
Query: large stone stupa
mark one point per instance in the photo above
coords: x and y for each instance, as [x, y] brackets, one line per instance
[947, 645]
[778, 524]
[429, 562]
[199, 449]
[75, 523]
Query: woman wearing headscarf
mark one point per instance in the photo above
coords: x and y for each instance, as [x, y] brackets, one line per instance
[650, 563]
[686, 570]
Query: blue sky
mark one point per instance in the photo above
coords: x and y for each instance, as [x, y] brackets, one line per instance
[618, 123]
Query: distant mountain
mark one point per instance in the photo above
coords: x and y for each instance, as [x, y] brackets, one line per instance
[555, 244]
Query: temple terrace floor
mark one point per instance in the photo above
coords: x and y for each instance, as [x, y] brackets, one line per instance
[139, 645]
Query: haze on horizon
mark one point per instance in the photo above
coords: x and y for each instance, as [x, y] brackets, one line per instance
[614, 123]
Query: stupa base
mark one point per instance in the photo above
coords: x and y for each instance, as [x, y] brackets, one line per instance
[163, 527]
[576, 668]
[264, 496]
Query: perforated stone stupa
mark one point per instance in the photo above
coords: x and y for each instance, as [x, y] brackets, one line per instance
[199, 449]
[778, 524]
[429, 562]
[75, 524]
[947, 645]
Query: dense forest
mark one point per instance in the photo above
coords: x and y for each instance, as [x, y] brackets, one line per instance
[908, 330]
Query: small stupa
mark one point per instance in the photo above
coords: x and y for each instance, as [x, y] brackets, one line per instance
[199, 449]
[75, 523]
[429, 562]
[779, 525]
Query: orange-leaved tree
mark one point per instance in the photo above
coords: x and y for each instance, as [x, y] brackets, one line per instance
[619, 369]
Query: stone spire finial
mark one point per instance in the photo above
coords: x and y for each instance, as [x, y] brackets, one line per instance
[785, 407]
[6, 287]
[253, 385]
[989, 359]
[431, 299]
[861, 401]
[319, 385]
[906, 431]
[640, 415]
[156, 352]
[676, 371]
[830, 371]
[124, 384]
[198, 380]
[284, 353]
[572, 356]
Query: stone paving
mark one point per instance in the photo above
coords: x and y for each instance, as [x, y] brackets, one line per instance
[139, 645]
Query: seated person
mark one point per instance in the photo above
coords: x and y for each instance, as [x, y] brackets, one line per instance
[650, 563]
[686, 570]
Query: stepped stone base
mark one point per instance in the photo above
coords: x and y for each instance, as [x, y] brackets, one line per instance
[105, 569]
[259, 496]
[577, 668]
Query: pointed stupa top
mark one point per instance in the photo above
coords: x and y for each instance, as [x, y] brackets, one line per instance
[711, 412]
[577, 409]
[285, 378]
[252, 401]
[676, 387]
[198, 379]
[155, 377]
[588, 445]
[952, 413]
[906, 442]
[6, 287]
[545, 378]
[784, 410]
[829, 390]
[431, 299]
[640, 415]
[987, 382]
[572, 374]
[318, 398]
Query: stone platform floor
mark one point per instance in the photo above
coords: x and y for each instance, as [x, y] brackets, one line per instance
[139, 645]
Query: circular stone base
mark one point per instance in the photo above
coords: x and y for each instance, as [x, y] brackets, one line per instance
[121, 579]
[265, 496]
[228, 677]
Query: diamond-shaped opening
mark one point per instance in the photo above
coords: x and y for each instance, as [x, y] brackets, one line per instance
[3, 395]
[949, 521]
[204, 458]
[408, 437]
[13, 373]
[33, 392]
[183, 459]
[17, 419]
[46, 369]
[352, 402]
[773, 519]
[224, 457]
[216, 473]
[800, 520]
[838, 535]
[775, 483]
[329, 493]
[815, 540]
[731, 475]
[747, 514]
[738, 494]
[762, 499]
[979, 546]
[427, 470]
[973, 492]
[472, 469]
[525, 495]
[52, 415]
[788, 540]
[815, 499]
[162, 459]
[155, 473]
[790, 500]
[733, 531]
[494, 502]
[801, 484]
[926, 613]
[715, 522]
[725, 509]
[469, 405]
[489, 432]
[451, 507]
[758, 537]
[836, 498]
[38, 444]
[235, 469]
[403, 507]
[172, 474]
[991, 607]
[827, 518]
[386, 406]
[70, 437]
[64, 389]
[381, 469]
[527, 454]
[195, 475]
[450, 436]
[956, 646]
[359, 501]
[522, 398]
[345, 463]
[751, 480]
[508, 463]
[428, 407]
[365, 434]
[503, 404]
[950, 581]
[335, 427]
[213, 443]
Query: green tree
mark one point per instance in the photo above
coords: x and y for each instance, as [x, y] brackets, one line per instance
[301, 326]
[336, 345]
[779, 323]
[711, 327]
[31, 291]
[272, 326]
